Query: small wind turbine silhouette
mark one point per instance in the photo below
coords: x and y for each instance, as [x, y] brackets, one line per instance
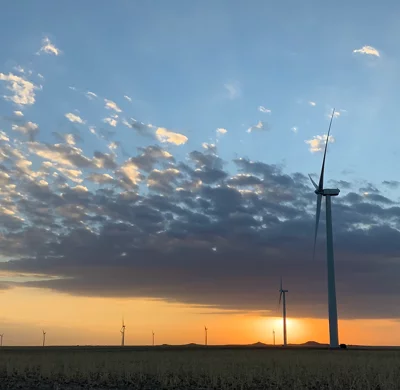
[273, 334]
[152, 333]
[44, 337]
[283, 294]
[1, 339]
[320, 191]
[123, 333]
[205, 334]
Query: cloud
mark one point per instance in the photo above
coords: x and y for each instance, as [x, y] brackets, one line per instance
[23, 90]
[49, 48]
[29, 128]
[210, 147]
[112, 105]
[128, 98]
[131, 172]
[18, 113]
[295, 129]
[264, 110]
[393, 184]
[312, 104]
[111, 121]
[317, 143]
[72, 219]
[233, 90]
[368, 50]
[164, 135]
[91, 95]
[74, 118]
[221, 131]
[260, 126]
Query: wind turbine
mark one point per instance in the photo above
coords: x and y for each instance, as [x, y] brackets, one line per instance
[273, 334]
[1, 339]
[327, 193]
[152, 333]
[123, 333]
[283, 294]
[205, 334]
[44, 337]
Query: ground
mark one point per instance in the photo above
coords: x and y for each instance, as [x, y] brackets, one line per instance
[155, 368]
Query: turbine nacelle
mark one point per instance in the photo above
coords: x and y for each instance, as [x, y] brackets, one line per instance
[328, 192]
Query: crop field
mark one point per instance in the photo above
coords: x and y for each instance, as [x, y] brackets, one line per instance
[197, 368]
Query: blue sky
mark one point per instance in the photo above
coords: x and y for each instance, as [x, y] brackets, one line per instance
[177, 60]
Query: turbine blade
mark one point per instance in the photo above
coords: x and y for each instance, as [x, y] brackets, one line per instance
[321, 178]
[314, 183]
[319, 200]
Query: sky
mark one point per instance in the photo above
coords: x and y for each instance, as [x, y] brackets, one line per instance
[154, 161]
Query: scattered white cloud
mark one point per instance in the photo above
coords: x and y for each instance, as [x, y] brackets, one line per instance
[90, 95]
[369, 50]
[317, 143]
[221, 131]
[131, 172]
[28, 128]
[72, 174]
[164, 135]
[260, 126]
[264, 110]
[233, 90]
[113, 145]
[49, 48]
[69, 139]
[294, 129]
[23, 90]
[18, 113]
[40, 76]
[312, 104]
[19, 69]
[111, 121]
[3, 136]
[128, 98]
[74, 118]
[79, 188]
[112, 105]
[209, 147]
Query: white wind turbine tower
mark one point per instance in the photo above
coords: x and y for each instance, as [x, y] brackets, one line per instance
[273, 334]
[205, 334]
[283, 294]
[327, 193]
[123, 333]
[44, 337]
[152, 332]
[1, 339]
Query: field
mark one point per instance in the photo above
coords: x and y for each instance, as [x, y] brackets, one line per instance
[197, 368]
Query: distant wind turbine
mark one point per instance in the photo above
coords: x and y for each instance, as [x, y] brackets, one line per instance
[152, 333]
[273, 334]
[321, 191]
[205, 334]
[283, 294]
[1, 339]
[123, 333]
[44, 337]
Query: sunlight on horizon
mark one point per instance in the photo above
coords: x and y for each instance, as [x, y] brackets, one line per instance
[71, 320]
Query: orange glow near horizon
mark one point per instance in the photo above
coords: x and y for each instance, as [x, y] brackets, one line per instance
[70, 320]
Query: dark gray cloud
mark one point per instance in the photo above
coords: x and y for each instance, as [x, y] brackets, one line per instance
[393, 184]
[193, 232]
